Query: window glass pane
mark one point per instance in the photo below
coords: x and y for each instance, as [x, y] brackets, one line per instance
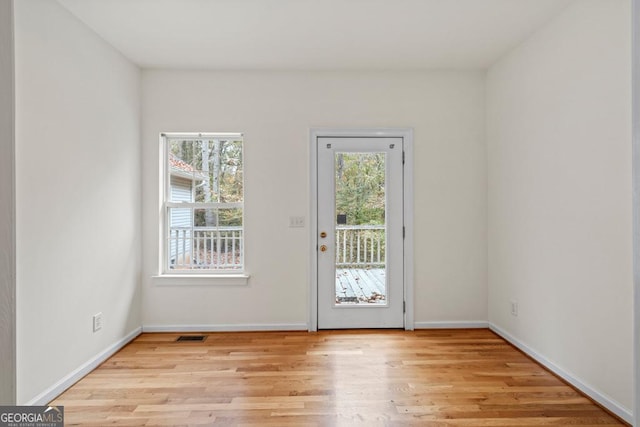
[206, 163]
[181, 171]
[180, 239]
[206, 170]
[231, 179]
[231, 217]
[218, 171]
[182, 151]
[217, 235]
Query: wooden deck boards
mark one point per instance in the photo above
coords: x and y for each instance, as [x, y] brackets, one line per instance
[360, 284]
[367, 378]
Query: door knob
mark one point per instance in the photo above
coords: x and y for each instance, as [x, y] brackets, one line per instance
[323, 248]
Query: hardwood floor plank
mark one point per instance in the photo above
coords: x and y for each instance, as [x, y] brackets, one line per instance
[330, 378]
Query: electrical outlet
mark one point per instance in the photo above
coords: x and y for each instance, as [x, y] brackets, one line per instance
[296, 221]
[97, 322]
[514, 308]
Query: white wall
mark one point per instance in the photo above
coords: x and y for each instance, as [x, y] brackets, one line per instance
[275, 111]
[7, 205]
[559, 151]
[78, 195]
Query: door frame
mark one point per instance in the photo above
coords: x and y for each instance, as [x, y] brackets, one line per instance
[407, 176]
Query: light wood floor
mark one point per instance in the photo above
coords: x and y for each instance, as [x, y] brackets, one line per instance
[368, 378]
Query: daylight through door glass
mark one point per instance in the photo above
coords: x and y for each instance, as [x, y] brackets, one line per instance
[360, 228]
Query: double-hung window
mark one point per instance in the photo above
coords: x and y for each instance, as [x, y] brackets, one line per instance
[203, 203]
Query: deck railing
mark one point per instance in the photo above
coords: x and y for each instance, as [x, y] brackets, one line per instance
[214, 248]
[220, 248]
[360, 246]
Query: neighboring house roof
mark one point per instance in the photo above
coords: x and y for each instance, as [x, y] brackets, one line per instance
[182, 169]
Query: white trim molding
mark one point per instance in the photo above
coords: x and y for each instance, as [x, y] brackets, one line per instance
[58, 388]
[227, 327]
[602, 399]
[407, 135]
[453, 324]
[635, 25]
[201, 279]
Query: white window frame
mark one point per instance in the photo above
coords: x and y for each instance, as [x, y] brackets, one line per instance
[169, 276]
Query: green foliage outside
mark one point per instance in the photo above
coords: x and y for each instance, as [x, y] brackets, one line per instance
[360, 187]
[218, 168]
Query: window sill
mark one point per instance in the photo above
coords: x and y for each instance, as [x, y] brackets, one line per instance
[201, 279]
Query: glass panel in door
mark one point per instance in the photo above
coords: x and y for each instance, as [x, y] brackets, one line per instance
[360, 228]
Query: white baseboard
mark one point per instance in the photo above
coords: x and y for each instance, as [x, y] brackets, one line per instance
[594, 394]
[56, 390]
[227, 328]
[453, 324]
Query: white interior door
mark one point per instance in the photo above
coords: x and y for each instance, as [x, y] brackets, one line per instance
[360, 233]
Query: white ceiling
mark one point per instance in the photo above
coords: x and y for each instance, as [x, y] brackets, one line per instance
[314, 34]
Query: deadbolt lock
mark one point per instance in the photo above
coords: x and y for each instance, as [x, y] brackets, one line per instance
[323, 234]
